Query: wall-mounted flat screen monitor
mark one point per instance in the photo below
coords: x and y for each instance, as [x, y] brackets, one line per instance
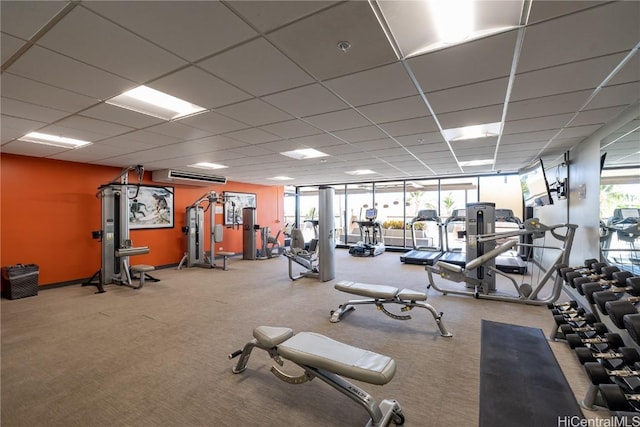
[535, 188]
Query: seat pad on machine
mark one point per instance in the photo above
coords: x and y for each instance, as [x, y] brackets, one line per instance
[318, 351]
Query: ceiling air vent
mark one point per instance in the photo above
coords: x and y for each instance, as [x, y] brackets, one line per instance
[173, 176]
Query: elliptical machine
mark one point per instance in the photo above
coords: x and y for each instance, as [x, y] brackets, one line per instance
[371, 240]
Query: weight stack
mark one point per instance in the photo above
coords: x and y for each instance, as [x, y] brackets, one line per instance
[20, 281]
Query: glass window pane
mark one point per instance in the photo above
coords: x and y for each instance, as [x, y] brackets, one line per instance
[359, 199]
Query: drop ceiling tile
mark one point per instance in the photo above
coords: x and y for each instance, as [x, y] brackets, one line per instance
[266, 16]
[339, 120]
[527, 137]
[30, 149]
[178, 130]
[78, 131]
[88, 38]
[8, 46]
[609, 96]
[376, 144]
[24, 18]
[66, 73]
[398, 109]
[106, 129]
[587, 74]
[517, 148]
[411, 126]
[484, 59]
[125, 143]
[15, 127]
[253, 151]
[312, 42]
[536, 124]
[597, 116]
[379, 84]
[200, 88]
[591, 33]
[360, 134]
[317, 141]
[577, 131]
[91, 153]
[25, 90]
[628, 73]
[113, 114]
[191, 29]
[491, 92]
[281, 146]
[142, 136]
[547, 105]
[476, 116]
[543, 10]
[254, 112]
[220, 142]
[296, 101]
[341, 149]
[420, 139]
[252, 136]
[257, 67]
[213, 122]
[291, 129]
[12, 107]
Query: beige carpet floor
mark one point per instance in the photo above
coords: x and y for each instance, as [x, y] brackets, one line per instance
[158, 356]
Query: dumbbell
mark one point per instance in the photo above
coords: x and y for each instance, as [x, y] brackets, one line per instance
[563, 305]
[614, 359]
[562, 269]
[617, 400]
[618, 309]
[632, 325]
[571, 312]
[577, 321]
[605, 277]
[617, 284]
[587, 331]
[629, 377]
[601, 298]
[607, 341]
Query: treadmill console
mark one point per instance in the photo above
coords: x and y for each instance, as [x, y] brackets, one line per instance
[371, 214]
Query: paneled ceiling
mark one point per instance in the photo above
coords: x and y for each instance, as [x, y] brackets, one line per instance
[272, 78]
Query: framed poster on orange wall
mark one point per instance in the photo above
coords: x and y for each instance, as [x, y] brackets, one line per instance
[234, 203]
[150, 207]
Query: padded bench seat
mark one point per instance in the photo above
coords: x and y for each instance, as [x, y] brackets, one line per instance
[379, 291]
[318, 351]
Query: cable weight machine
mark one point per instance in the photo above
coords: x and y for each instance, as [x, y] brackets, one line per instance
[116, 245]
[196, 255]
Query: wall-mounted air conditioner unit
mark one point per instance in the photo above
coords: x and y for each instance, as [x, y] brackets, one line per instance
[172, 176]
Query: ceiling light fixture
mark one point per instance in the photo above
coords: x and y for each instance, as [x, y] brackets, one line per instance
[473, 132]
[154, 103]
[476, 162]
[280, 178]
[454, 20]
[55, 141]
[206, 165]
[360, 172]
[304, 153]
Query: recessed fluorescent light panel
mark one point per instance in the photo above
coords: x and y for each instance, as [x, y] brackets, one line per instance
[304, 153]
[280, 178]
[476, 162]
[360, 172]
[56, 141]
[417, 27]
[154, 103]
[473, 132]
[208, 166]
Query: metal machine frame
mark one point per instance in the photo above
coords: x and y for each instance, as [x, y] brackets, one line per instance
[116, 246]
[196, 255]
[525, 293]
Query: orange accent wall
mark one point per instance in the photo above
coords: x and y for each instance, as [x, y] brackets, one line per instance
[48, 209]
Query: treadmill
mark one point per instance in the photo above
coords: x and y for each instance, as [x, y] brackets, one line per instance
[423, 255]
[510, 261]
[455, 256]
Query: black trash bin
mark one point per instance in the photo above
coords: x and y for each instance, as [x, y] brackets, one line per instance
[20, 281]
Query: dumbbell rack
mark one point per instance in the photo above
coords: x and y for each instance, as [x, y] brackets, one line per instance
[620, 350]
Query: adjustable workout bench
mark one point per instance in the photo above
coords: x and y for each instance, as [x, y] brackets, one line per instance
[330, 361]
[380, 295]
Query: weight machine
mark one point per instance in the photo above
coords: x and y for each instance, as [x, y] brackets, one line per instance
[195, 255]
[116, 246]
[479, 273]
